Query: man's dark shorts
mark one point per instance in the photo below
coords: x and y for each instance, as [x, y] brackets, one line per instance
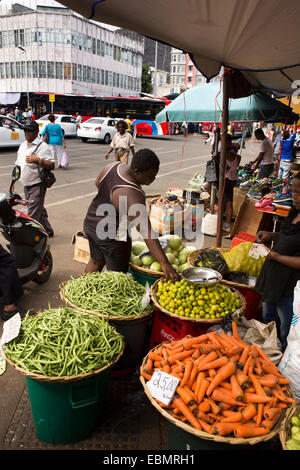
[115, 254]
[265, 171]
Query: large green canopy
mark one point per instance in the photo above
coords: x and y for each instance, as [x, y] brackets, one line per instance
[204, 103]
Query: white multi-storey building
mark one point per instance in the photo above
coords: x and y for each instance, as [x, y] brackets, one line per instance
[48, 48]
[183, 73]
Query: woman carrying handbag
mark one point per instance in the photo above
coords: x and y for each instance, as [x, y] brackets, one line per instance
[54, 136]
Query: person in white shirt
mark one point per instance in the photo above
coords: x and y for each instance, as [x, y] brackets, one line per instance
[32, 154]
[265, 159]
[78, 120]
[122, 143]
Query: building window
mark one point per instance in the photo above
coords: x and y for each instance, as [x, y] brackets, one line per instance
[16, 36]
[1, 43]
[12, 70]
[74, 71]
[98, 76]
[29, 69]
[93, 78]
[42, 69]
[79, 73]
[59, 70]
[67, 71]
[17, 69]
[94, 48]
[106, 77]
[2, 71]
[50, 70]
[7, 69]
[34, 69]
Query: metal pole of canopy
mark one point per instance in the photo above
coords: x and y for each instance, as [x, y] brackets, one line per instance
[223, 156]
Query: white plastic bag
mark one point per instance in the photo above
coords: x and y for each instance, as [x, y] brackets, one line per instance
[289, 365]
[65, 160]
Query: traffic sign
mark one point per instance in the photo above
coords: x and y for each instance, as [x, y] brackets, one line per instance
[51, 97]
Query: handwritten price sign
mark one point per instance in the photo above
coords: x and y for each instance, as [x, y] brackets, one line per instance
[162, 386]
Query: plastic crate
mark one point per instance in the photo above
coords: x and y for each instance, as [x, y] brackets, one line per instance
[242, 237]
[167, 328]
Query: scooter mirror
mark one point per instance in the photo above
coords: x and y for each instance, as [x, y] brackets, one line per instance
[15, 176]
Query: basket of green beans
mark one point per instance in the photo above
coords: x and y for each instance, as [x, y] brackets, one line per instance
[110, 294]
[64, 345]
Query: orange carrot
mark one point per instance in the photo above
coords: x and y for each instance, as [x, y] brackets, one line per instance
[235, 332]
[234, 417]
[242, 379]
[236, 388]
[247, 365]
[224, 406]
[214, 407]
[185, 396]
[269, 413]
[283, 380]
[209, 358]
[258, 388]
[193, 376]
[202, 390]
[155, 357]
[270, 423]
[221, 361]
[255, 398]
[148, 365]
[259, 416]
[182, 355]
[268, 380]
[187, 372]
[189, 391]
[223, 429]
[146, 375]
[223, 373]
[207, 348]
[205, 426]
[234, 350]
[248, 412]
[223, 395]
[179, 403]
[244, 356]
[249, 430]
[204, 406]
[204, 416]
[212, 373]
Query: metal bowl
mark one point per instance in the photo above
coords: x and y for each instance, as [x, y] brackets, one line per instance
[202, 275]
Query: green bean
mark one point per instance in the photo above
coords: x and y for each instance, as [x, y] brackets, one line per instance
[64, 342]
[109, 293]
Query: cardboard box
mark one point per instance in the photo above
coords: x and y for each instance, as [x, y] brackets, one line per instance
[81, 247]
[239, 196]
[165, 220]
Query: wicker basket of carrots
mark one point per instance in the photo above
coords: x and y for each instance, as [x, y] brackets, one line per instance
[228, 391]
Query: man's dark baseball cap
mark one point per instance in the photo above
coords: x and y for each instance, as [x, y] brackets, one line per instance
[31, 126]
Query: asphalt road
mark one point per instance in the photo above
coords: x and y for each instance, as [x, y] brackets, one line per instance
[67, 202]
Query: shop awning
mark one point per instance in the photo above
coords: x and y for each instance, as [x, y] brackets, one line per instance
[204, 103]
[260, 38]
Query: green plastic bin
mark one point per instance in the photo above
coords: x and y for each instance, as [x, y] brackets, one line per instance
[67, 412]
[143, 278]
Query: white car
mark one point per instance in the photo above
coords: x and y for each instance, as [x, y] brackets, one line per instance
[66, 122]
[11, 132]
[100, 128]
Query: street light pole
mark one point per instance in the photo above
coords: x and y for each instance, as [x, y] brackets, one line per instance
[27, 87]
[155, 73]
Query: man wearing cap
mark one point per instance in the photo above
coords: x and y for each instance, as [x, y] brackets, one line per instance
[32, 154]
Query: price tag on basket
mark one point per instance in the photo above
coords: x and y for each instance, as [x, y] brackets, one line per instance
[162, 386]
[11, 328]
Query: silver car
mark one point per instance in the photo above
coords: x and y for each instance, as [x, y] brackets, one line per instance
[99, 128]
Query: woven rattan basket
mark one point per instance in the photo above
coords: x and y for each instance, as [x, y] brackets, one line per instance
[149, 272]
[192, 262]
[238, 312]
[286, 425]
[204, 435]
[65, 379]
[146, 313]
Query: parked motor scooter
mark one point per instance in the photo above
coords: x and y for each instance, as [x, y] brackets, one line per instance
[28, 240]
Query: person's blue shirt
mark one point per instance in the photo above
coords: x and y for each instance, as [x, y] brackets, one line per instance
[55, 134]
[287, 148]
